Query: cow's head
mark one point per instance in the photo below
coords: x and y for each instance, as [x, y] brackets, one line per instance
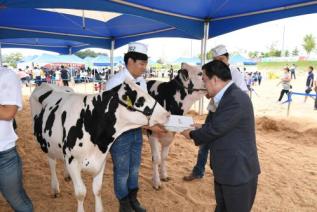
[138, 108]
[191, 79]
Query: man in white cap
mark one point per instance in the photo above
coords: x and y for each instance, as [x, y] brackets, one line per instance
[219, 53]
[126, 150]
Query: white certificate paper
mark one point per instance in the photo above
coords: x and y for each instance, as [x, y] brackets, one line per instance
[179, 123]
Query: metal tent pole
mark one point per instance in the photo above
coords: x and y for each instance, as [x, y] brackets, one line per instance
[0, 55]
[203, 58]
[111, 56]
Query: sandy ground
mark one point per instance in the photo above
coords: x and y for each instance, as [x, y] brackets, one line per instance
[287, 149]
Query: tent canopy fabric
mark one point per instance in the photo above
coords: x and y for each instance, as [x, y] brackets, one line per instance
[188, 16]
[55, 45]
[36, 25]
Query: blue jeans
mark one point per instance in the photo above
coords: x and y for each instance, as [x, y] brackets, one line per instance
[11, 185]
[199, 168]
[126, 157]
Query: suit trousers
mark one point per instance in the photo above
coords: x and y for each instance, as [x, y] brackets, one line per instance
[235, 198]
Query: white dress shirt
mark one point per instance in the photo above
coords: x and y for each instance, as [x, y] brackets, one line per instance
[118, 79]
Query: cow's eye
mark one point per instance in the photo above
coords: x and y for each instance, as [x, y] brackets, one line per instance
[125, 97]
[200, 73]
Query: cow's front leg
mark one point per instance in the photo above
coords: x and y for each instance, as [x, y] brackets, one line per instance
[96, 187]
[66, 174]
[163, 167]
[74, 170]
[54, 180]
[156, 160]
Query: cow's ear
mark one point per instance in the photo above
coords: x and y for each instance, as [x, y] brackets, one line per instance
[183, 73]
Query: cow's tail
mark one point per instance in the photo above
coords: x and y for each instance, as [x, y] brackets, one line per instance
[38, 97]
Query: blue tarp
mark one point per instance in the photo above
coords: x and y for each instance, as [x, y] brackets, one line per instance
[189, 60]
[49, 59]
[101, 60]
[236, 59]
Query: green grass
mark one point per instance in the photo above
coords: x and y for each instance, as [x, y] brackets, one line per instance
[275, 66]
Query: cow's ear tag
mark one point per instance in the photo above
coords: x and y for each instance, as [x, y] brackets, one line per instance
[129, 102]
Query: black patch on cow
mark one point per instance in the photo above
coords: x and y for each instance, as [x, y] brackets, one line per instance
[190, 87]
[70, 159]
[63, 122]
[58, 101]
[50, 108]
[166, 92]
[44, 96]
[48, 144]
[87, 163]
[74, 133]
[85, 101]
[80, 144]
[138, 83]
[50, 120]
[38, 123]
[59, 145]
[140, 102]
[98, 123]
[183, 73]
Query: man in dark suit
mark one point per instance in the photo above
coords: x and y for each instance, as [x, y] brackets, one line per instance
[231, 133]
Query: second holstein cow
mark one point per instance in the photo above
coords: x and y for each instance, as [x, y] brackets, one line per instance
[176, 96]
[80, 129]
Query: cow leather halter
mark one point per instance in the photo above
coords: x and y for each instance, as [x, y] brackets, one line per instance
[189, 89]
[147, 111]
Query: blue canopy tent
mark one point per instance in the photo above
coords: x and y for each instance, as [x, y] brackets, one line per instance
[238, 59]
[101, 60]
[191, 16]
[36, 26]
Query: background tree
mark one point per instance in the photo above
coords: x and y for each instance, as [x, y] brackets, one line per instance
[209, 55]
[286, 53]
[309, 43]
[295, 52]
[90, 53]
[12, 59]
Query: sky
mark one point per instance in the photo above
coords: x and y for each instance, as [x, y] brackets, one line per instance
[255, 38]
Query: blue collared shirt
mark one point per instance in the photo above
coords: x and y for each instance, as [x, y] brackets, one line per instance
[219, 95]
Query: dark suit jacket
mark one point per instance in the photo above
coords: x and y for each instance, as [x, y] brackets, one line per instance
[231, 132]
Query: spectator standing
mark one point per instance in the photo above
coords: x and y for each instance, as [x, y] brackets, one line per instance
[286, 83]
[293, 71]
[64, 76]
[309, 81]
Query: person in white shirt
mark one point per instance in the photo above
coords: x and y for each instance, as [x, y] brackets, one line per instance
[220, 53]
[127, 148]
[11, 185]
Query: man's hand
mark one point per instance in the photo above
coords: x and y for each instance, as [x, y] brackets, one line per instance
[197, 126]
[157, 128]
[185, 133]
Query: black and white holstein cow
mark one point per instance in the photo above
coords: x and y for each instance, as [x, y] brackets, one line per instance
[80, 129]
[176, 96]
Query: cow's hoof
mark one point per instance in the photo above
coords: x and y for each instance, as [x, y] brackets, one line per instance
[157, 188]
[67, 179]
[166, 179]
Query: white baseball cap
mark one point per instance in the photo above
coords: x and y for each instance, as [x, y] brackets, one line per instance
[219, 50]
[137, 47]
